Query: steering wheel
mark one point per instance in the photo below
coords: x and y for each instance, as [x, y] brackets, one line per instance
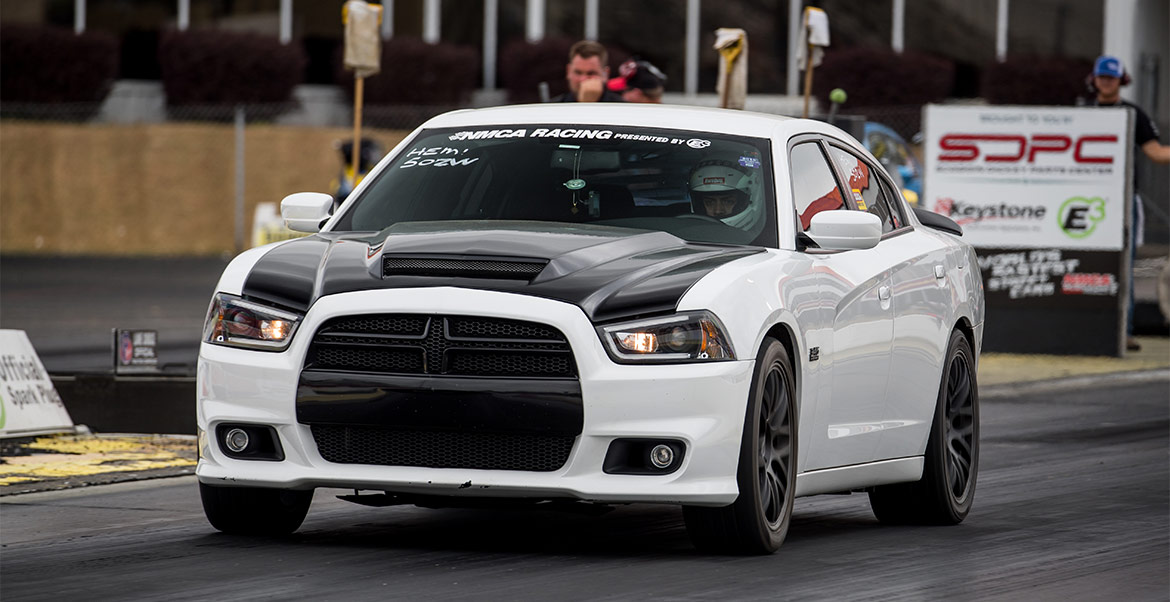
[706, 218]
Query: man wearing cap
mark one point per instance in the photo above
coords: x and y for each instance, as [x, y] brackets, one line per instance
[638, 81]
[1108, 77]
[586, 74]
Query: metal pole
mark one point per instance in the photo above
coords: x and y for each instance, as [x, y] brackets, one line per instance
[795, 22]
[432, 13]
[78, 16]
[898, 34]
[239, 178]
[491, 14]
[387, 19]
[591, 11]
[285, 21]
[184, 14]
[534, 21]
[1001, 30]
[691, 80]
[358, 93]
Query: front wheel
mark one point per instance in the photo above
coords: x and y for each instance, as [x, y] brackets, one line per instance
[757, 522]
[944, 494]
[254, 510]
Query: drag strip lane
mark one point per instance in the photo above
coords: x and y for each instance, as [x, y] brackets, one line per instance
[1073, 502]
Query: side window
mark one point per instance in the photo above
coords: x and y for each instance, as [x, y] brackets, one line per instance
[814, 187]
[865, 188]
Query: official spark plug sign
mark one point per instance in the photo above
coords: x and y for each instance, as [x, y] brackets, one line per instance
[29, 404]
[1030, 177]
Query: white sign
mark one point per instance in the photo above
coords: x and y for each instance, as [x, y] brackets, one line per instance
[1013, 177]
[29, 404]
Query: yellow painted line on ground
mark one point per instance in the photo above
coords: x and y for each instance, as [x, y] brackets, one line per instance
[1001, 368]
[77, 456]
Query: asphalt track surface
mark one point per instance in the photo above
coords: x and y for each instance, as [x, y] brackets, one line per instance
[69, 306]
[1073, 503]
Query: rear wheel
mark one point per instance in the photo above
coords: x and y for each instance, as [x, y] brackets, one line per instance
[943, 496]
[757, 522]
[255, 510]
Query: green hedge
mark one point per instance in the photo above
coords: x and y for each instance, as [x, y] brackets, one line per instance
[878, 77]
[218, 67]
[51, 65]
[523, 65]
[415, 72]
[1029, 80]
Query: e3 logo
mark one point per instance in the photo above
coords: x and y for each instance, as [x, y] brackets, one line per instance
[1079, 216]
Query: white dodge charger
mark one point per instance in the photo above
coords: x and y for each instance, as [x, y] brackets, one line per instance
[600, 304]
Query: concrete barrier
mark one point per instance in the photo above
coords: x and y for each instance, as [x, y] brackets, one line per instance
[130, 404]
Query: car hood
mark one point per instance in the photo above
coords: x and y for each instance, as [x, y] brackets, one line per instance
[610, 273]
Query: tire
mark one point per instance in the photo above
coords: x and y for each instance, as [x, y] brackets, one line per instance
[254, 510]
[944, 494]
[757, 521]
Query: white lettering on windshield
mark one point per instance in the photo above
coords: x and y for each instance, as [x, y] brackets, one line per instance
[440, 162]
[485, 134]
[436, 150]
[572, 133]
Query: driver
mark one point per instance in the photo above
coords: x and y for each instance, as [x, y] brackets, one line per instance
[719, 189]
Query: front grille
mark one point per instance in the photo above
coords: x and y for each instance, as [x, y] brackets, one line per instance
[441, 345]
[511, 269]
[485, 451]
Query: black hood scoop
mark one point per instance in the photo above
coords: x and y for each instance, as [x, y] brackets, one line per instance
[611, 273]
[461, 266]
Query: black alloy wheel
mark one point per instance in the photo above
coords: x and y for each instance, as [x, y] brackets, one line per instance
[775, 447]
[757, 521]
[944, 494]
[960, 425]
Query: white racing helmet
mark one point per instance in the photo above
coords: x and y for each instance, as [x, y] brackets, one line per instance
[717, 176]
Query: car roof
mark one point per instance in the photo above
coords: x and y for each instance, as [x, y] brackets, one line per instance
[703, 119]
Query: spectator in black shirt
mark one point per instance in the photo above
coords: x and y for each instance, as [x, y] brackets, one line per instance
[587, 72]
[1108, 77]
[638, 81]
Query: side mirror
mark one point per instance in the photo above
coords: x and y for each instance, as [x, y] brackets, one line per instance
[304, 211]
[843, 230]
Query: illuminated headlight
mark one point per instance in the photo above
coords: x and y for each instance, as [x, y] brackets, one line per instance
[235, 322]
[689, 337]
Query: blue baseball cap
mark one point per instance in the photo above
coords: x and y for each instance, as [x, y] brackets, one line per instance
[1109, 66]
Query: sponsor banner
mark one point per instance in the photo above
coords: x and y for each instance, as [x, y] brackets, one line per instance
[1038, 278]
[29, 404]
[134, 351]
[1030, 177]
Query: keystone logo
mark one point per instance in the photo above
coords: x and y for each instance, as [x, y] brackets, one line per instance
[965, 213]
[1079, 216]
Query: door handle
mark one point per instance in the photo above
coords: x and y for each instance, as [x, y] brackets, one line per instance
[884, 293]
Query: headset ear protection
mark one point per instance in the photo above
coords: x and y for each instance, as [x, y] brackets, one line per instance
[1125, 81]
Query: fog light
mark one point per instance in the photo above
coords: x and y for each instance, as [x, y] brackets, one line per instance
[236, 440]
[661, 456]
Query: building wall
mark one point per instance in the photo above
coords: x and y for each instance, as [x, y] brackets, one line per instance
[157, 189]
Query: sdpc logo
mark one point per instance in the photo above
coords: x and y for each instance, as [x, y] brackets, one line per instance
[1079, 216]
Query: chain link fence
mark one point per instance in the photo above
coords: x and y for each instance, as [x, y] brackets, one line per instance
[327, 106]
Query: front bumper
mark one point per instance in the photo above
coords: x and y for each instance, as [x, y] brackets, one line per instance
[702, 405]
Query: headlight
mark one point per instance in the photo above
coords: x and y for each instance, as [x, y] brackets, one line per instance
[688, 337]
[234, 322]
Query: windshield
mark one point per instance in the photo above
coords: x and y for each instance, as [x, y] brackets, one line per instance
[700, 187]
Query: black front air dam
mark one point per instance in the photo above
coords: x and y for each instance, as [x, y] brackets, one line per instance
[550, 406]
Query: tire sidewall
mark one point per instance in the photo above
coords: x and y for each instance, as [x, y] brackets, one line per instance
[958, 349]
[751, 511]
